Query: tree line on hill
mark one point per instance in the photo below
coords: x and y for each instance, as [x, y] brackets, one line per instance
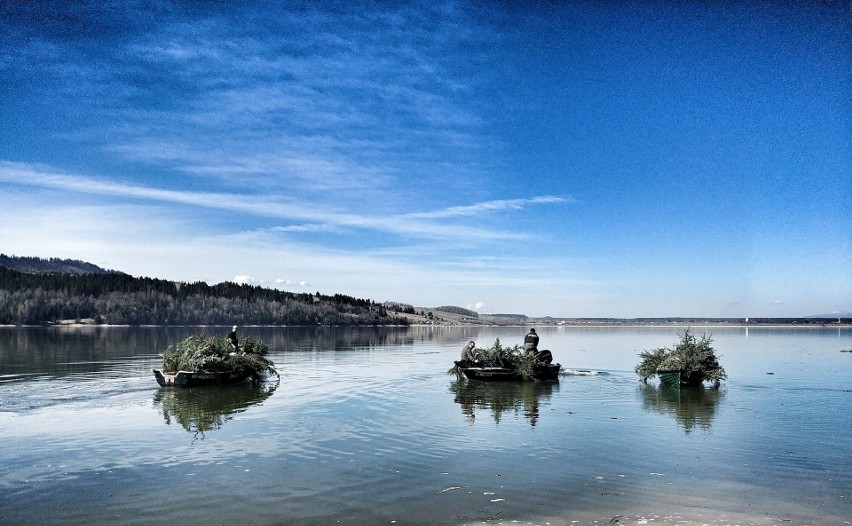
[64, 266]
[458, 310]
[31, 298]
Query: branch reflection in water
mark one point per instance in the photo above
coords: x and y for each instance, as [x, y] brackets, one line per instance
[202, 409]
[501, 397]
[694, 407]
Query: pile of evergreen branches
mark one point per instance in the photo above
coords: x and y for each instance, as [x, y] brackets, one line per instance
[498, 356]
[210, 354]
[695, 358]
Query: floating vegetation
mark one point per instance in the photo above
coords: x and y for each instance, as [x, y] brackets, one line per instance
[695, 359]
[513, 358]
[210, 354]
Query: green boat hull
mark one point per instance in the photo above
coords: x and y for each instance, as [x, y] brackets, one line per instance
[678, 379]
[669, 379]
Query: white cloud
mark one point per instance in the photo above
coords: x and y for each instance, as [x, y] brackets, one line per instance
[417, 225]
[488, 206]
[290, 283]
[479, 307]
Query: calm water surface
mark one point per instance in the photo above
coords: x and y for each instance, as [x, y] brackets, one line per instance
[366, 427]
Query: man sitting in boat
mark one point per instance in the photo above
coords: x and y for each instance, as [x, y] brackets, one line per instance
[531, 342]
[531, 347]
[467, 355]
[232, 338]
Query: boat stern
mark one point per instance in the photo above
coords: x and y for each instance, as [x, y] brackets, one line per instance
[164, 379]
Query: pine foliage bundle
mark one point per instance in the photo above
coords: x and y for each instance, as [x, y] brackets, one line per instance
[210, 354]
[695, 358]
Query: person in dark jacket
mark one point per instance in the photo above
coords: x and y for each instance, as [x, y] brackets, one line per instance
[232, 338]
[467, 355]
[531, 342]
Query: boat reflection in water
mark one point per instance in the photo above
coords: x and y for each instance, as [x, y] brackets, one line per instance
[694, 407]
[203, 409]
[502, 397]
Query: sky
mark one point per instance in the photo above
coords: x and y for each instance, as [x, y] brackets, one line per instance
[570, 159]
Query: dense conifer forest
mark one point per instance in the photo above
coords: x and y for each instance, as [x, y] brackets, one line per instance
[64, 266]
[43, 295]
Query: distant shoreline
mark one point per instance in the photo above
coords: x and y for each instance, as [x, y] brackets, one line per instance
[543, 326]
[530, 323]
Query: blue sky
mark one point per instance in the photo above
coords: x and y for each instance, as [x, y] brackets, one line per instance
[578, 159]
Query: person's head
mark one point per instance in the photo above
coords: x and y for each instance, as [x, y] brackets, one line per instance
[234, 328]
[532, 331]
[471, 344]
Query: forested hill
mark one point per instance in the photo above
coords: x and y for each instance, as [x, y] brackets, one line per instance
[119, 299]
[65, 266]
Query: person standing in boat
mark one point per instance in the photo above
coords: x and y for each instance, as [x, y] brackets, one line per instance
[531, 342]
[232, 338]
[467, 355]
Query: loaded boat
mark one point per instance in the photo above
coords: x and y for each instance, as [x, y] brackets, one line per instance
[499, 363]
[197, 379]
[207, 360]
[495, 374]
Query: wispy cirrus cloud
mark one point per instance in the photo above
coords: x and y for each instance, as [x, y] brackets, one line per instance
[355, 106]
[489, 206]
[315, 216]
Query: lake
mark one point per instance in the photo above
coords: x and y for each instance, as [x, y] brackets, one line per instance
[366, 427]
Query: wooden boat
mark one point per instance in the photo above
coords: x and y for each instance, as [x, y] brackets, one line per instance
[669, 379]
[193, 379]
[677, 379]
[498, 374]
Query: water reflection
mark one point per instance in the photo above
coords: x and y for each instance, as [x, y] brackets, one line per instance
[692, 407]
[500, 397]
[203, 409]
[332, 338]
[68, 352]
